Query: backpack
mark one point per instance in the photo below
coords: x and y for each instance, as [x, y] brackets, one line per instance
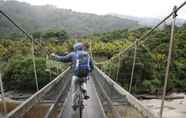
[82, 64]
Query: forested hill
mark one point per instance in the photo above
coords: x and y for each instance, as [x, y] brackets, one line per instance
[42, 18]
[149, 21]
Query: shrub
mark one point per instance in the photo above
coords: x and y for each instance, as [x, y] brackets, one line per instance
[20, 74]
[152, 86]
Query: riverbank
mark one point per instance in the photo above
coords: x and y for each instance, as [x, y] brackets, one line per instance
[173, 108]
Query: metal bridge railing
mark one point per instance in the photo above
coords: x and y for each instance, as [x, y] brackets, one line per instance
[131, 99]
[34, 99]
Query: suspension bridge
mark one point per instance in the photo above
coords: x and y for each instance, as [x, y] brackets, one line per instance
[107, 98]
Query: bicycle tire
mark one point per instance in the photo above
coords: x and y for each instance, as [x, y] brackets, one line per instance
[80, 112]
[81, 106]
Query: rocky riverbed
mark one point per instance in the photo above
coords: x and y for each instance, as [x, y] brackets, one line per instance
[173, 108]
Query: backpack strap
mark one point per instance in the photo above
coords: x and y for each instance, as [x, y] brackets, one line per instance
[76, 60]
[89, 63]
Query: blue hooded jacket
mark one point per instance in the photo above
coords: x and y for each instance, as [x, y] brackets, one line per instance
[71, 57]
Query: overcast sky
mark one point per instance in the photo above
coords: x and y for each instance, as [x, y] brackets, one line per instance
[142, 8]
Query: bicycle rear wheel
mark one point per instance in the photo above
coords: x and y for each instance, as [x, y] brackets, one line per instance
[81, 106]
[80, 112]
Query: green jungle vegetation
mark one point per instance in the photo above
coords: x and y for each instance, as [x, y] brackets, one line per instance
[17, 68]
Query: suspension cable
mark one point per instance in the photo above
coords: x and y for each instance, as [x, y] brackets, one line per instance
[148, 32]
[90, 49]
[16, 25]
[48, 66]
[110, 70]
[169, 58]
[133, 66]
[32, 41]
[103, 68]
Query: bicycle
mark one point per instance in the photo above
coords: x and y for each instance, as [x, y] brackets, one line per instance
[79, 99]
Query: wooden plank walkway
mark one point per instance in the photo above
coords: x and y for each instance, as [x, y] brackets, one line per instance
[93, 108]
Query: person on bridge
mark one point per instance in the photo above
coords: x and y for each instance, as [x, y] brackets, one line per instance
[82, 65]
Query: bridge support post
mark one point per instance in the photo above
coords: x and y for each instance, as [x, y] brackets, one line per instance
[34, 63]
[118, 68]
[169, 58]
[133, 66]
[3, 95]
